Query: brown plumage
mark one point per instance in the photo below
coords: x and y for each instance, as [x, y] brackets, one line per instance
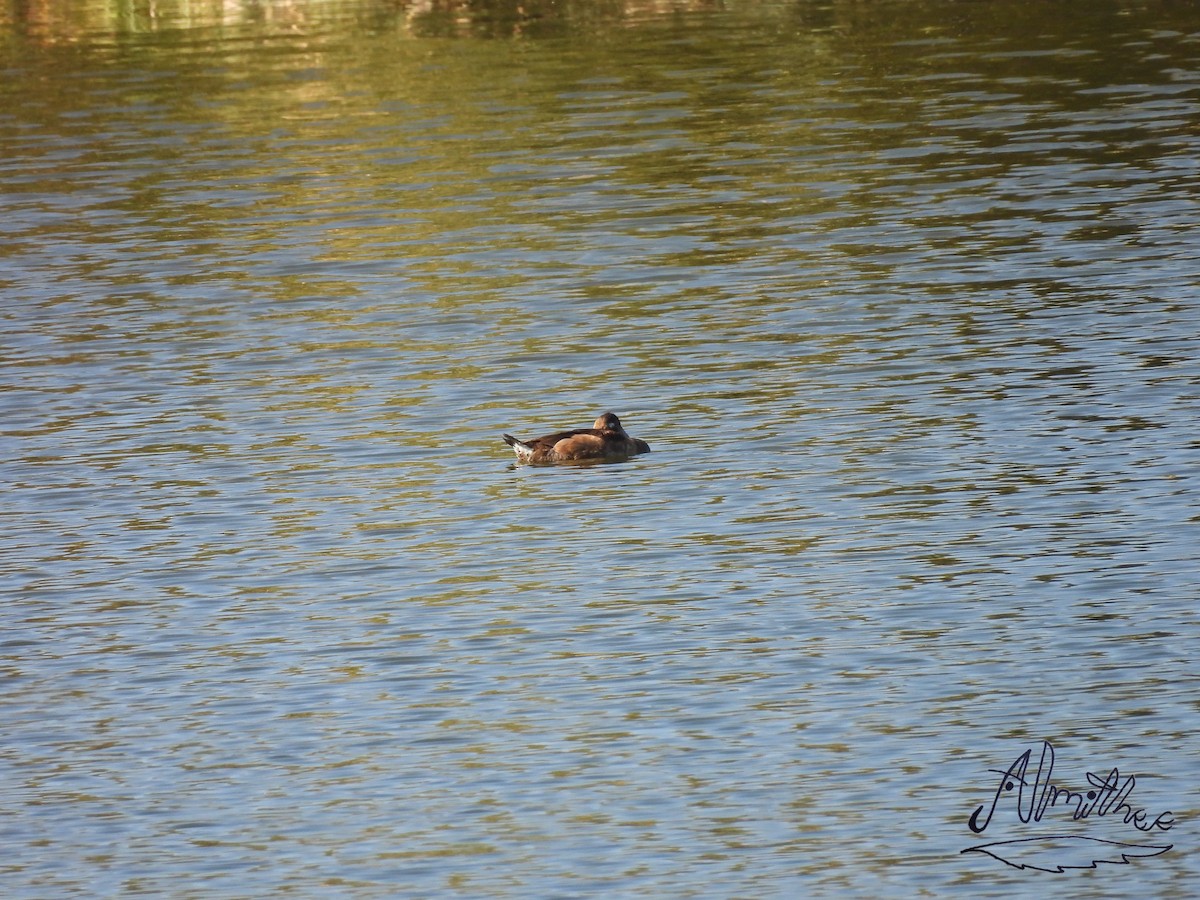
[605, 440]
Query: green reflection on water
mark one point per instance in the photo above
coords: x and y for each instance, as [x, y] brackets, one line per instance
[326, 109]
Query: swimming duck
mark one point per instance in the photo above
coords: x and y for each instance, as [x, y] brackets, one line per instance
[605, 440]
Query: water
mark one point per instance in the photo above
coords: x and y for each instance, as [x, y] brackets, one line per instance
[902, 295]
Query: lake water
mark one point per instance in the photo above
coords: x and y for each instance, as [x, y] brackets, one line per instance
[905, 297]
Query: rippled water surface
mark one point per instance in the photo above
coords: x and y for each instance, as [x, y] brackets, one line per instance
[903, 295]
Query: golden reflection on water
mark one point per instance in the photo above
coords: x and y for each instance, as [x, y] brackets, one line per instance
[66, 21]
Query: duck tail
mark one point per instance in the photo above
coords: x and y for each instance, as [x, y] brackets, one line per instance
[522, 449]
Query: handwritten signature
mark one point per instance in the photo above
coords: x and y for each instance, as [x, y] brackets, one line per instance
[1108, 796]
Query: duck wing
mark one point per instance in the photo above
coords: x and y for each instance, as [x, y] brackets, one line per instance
[548, 441]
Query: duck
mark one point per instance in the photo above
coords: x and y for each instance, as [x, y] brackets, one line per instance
[606, 440]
